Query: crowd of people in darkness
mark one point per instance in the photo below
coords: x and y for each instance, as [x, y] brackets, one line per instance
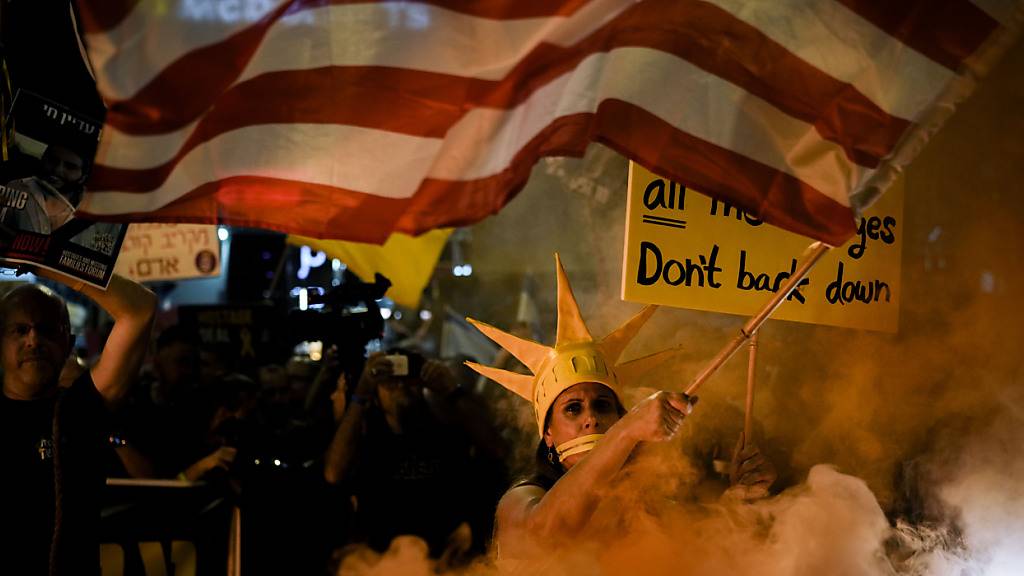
[322, 459]
[369, 453]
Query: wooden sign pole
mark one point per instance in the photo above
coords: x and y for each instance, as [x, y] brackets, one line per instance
[811, 257]
[748, 413]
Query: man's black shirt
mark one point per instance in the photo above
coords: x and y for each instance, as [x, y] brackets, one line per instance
[28, 480]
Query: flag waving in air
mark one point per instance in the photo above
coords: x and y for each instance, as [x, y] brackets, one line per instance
[351, 120]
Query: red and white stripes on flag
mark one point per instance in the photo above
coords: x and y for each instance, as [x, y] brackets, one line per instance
[341, 119]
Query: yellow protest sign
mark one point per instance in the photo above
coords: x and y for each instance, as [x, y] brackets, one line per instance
[687, 250]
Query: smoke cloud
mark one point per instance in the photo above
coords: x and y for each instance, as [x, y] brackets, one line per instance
[897, 454]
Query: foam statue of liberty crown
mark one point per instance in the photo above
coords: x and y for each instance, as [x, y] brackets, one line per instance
[575, 358]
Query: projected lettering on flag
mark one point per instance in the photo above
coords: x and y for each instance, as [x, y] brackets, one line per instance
[401, 15]
[235, 11]
[686, 250]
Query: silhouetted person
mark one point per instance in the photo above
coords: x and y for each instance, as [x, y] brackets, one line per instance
[405, 448]
[52, 438]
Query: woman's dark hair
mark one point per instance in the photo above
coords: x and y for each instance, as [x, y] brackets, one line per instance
[545, 472]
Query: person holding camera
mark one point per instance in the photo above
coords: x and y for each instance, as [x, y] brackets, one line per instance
[404, 449]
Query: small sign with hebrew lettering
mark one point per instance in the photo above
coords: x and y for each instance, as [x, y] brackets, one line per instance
[169, 252]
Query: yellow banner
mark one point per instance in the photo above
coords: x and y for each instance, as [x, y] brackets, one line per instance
[686, 250]
[407, 261]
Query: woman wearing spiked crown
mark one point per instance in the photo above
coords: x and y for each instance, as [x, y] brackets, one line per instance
[586, 435]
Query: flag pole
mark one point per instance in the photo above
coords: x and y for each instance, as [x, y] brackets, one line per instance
[748, 414]
[810, 257]
[235, 543]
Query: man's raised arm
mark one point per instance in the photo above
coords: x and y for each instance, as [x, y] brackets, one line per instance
[133, 307]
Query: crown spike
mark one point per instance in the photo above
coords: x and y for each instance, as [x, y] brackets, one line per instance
[521, 384]
[630, 372]
[615, 343]
[528, 352]
[571, 327]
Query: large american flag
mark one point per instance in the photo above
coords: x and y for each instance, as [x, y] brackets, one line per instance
[341, 119]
